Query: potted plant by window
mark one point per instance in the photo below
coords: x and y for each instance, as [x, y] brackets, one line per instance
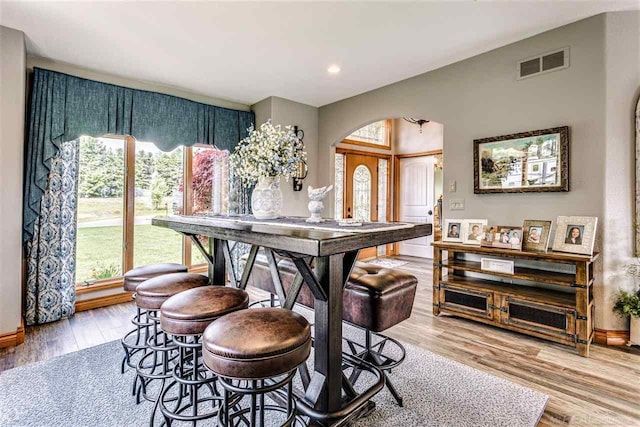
[263, 157]
[628, 305]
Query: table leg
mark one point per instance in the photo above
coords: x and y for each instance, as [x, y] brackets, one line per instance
[328, 326]
[217, 273]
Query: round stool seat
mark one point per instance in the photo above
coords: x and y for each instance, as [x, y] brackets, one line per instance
[136, 276]
[191, 311]
[153, 292]
[255, 344]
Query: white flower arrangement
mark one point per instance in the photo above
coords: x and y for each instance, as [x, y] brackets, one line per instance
[267, 152]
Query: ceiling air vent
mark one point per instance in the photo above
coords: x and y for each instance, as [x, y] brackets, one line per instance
[545, 63]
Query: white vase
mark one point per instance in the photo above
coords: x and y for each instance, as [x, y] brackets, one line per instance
[266, 198]
[634, 332]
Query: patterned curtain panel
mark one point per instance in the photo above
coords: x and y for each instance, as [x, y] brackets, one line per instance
[51, 252]
[63, 108]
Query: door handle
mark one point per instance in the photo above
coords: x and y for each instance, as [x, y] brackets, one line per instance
[430, 212]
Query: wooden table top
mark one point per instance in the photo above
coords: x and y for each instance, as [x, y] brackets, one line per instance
[312, 242]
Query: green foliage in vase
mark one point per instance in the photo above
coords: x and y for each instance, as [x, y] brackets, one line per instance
[627, 304]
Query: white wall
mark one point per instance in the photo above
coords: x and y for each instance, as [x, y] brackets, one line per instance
[12, 114]
[408, 138]
[481, 97]
[284, 112]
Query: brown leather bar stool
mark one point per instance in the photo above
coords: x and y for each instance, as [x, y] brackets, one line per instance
[136, 339]
[161, 350]
[185, 316]
[374, 299]
[254, 352]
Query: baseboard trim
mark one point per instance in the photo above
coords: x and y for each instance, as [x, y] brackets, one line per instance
[12, 339]
[90, 304]
[611, 338]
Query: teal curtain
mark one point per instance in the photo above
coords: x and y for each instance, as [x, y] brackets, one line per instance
[64, 107]
[51, 254]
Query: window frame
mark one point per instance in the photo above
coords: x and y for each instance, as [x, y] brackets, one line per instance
[129, 216]
[387, 138]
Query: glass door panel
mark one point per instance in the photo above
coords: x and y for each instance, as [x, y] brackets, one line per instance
[210, 184]
[158, 192]
[361, 191]
[100, 228]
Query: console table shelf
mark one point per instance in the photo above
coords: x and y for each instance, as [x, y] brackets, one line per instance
[538, 301]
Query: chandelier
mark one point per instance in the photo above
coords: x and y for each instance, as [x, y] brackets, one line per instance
[416, 121]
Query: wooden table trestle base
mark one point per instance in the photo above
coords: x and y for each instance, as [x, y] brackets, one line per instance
[327, 397]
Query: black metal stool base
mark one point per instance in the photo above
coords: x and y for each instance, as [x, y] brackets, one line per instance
[135, 340]
[374, 353]
[190, 377]
[236, 413]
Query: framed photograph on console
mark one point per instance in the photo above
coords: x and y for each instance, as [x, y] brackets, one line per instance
[502, 236]
[575, 234]
[472, 231]
[535, 235]
[535, 161]
[452, 231]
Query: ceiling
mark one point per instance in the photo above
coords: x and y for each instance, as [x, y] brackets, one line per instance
[247, 51]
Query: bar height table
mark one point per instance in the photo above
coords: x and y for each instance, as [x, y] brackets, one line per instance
[335, 252]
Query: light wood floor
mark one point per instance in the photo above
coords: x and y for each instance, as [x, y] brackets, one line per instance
[603, 390]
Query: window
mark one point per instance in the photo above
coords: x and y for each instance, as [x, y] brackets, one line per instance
[158, 191]
[377, 134]
[209, 186]
[338, 186]
[101, 206]
[123, 184]
[362, 194]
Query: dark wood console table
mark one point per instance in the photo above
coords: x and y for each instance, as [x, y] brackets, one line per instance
[549, 295]
[335, 253]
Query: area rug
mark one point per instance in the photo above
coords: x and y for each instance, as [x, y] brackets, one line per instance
[85, 388]
[387, 262]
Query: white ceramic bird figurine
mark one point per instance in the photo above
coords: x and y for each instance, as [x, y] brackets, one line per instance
[318, 194]
[315, 205]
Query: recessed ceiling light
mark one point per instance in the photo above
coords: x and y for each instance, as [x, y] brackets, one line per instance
[333, 69]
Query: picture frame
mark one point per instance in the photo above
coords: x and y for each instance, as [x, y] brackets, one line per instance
[575, 234]
[452, 231]
[526, 162]
[472, 231]
[536, 235]
[502, 236]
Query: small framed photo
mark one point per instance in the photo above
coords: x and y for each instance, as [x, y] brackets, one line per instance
[502, 236]
[472, 231]
[575, 234]
[535, 235]
[452, 230]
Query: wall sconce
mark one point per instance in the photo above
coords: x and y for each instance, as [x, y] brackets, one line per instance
[302, 169]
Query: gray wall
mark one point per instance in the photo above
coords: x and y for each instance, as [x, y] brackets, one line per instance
[480, 97]
[622, 87]
[12, 112]
[285, 112]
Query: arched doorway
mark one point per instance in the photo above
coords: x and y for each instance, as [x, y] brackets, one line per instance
[379, 168]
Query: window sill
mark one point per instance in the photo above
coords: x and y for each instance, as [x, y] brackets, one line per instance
[103, 285]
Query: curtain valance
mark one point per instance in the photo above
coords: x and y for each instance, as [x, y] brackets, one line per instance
[65, 107]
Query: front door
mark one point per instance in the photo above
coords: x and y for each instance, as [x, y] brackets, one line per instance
[416, 201]
[361, 191]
